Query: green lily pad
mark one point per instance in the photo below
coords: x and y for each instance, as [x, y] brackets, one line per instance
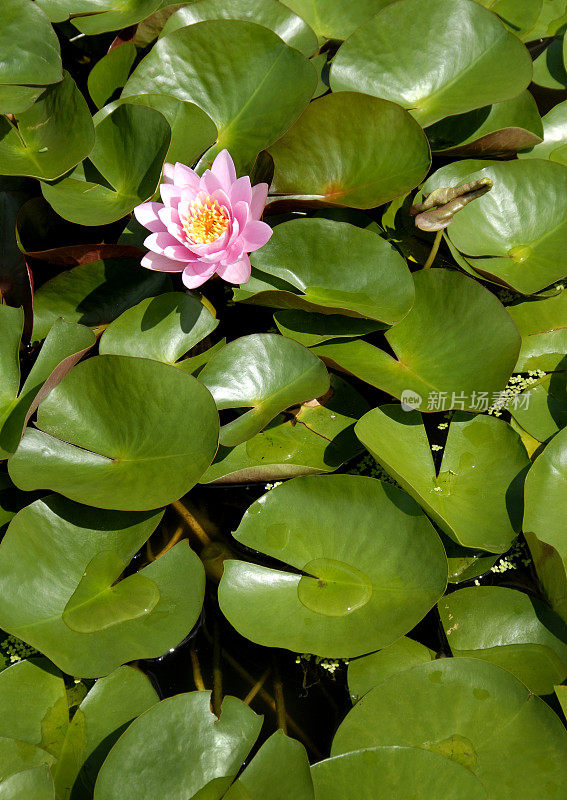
[333, 19]
[95, 440]
[310, 328]
[520, 16]
[36, 782]
[279, 771]
[123, 168]
[266, 374]
[98, 16]
[552, 19]
[199, 64]
[269, 13]
[36, 713]
[472, 713]
[111, 73]
[392, 773]
[550, 70]
[346, 592]
[561, 693]
[94, 294]
[510, 629]
[543, 328]
[314, 438]
[544, 520]
[29, 47]
[65, 344]
[496, 130]
[329, 158]
[542, 409]
[456, 345]
[516, 232]
[181, 748]
[476, 497]
[51, 137]
[335, 266]
[437, 60]
[366, 672]
[39, 599]
[554, 145]
[163, 327]
[464, 563]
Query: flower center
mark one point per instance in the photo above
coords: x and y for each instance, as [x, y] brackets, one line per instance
[206, 220]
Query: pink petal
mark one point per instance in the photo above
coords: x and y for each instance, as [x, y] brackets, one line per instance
[185, 176]
[223, 169]
[241, 213]
[255, 235]
[192, 278]
[237, 272]
[210, 183]
[147, 215]
[259, 196]
[160, 263]
[168, 173]
[241, 191]
[170, 194]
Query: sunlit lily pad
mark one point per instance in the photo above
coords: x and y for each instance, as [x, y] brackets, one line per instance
[123, 168]
[517, 232]
[269, 13]
[329, 158]
[182, 750]
[94, 294]
[432, 364]
[37, 596]
[435, 59]
[35, 782]
[391, 773]
[544, 519]
[541, 410]
[51, 137]
[520, 16]
[163, 327]
[334, 19]
[95, 440]
[36, 715]
[496, 130]
[476, 497]
[472, 713]
[110, 73]
[543, 327]
[366, 672]
[345, 592]
[337, 267]
[552, 19]
[266, 374]
[554, 145]
[509, 629]
[312, 438]
[99, 16]
[199, 64]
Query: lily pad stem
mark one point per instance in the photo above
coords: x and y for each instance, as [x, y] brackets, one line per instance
[279, 695]
[197, 675]
[434, 250]
[257, 686]
[217, 672]
[194, 525]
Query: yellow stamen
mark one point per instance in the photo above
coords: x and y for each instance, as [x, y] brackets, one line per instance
[206, 220]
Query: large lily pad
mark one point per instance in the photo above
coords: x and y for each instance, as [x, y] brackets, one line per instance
[94, 294]
[516, 233]
[496, 130]
[471, 712]
[95, 440]
[51, 137]
[37, 595]
[123, 169]
[181, 749]
[432, 361]
[313, 438]
[163, 327]
[65, 344]
[435, 59]
[356, 582]
[199, 64]
[544, 519]
[510, 629]
[337, 267]
[476, 497]
[269, 13]
[348, 149]
[366, 672]
[554, 145]
[391, 773]
[266, 374]
[35, 706]
[543, 328]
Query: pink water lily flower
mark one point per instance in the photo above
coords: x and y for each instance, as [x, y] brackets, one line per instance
[206, 224]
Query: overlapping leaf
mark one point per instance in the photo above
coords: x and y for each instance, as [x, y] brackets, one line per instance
[99, 16]
[366, 672]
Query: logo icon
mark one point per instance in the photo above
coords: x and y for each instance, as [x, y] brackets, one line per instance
[411, 400]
